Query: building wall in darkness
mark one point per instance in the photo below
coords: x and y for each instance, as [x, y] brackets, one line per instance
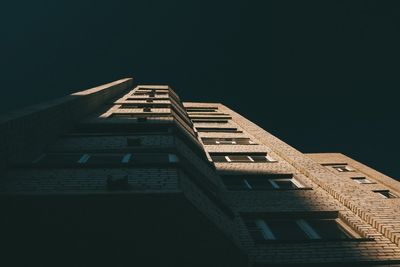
[183, 184]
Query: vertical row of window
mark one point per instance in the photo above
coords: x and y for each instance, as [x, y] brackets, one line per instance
[343, 168]
[200, 114]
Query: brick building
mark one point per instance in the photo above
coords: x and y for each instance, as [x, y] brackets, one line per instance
[122, 175]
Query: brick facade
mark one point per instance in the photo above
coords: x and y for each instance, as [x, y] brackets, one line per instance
[144, 143]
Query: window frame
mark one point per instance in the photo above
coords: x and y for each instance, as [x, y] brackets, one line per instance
[343, 168]
[227, 141]
[229, 159]
[292, 180]
[390, 194]
[303, 224]
[252, 182]
[359, 179]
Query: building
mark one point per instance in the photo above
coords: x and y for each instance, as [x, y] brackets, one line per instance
[122, 175]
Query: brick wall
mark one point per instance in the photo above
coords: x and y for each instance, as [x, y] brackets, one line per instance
[372, 217]
[25, 133]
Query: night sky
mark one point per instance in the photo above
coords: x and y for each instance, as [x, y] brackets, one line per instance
[321, 75]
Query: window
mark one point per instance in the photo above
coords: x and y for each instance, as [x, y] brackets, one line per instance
[218, 130]
[385, 193]
[142, 119]
[122, 116]
[84, 159]
[59, 158]
[343, 168]
[106, 159]
[362, 180]
[203, 117]
[144, 106]
[147, 109]
[172, 158]
[209, 121]
[261, 182]
[298, 228]
[227, 141]
[202, 109]
[237, 158]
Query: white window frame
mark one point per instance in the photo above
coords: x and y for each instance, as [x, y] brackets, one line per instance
[265, 230]
[307, 229]
[84, 158]
[362, 180]
[126, 158]
[229, 160]
[172, 158]
[381, 195]
[248, 185]
[225, 142]
[343, 168]
[379, 192]
[270, 159]
[294, 181]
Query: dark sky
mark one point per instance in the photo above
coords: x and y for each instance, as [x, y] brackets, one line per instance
[321, 75]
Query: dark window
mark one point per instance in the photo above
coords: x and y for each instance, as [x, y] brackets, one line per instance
[202, 109]
[362, 180]
[282, 229]
[239, 157]
[104, 158]
[385, 193]
[209, 121]
[260, 158]
[217, 130]
[121, 116]
[144, 106]
[212, 118]
[58, 158]
[142, 119]
[147, 109]
[260, 182]
[283, 183]
[227, 141]
[297, 229]
[343, 168]
[328, 229]
[150, 158]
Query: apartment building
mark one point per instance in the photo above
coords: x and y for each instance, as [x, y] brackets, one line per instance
[124, 174]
